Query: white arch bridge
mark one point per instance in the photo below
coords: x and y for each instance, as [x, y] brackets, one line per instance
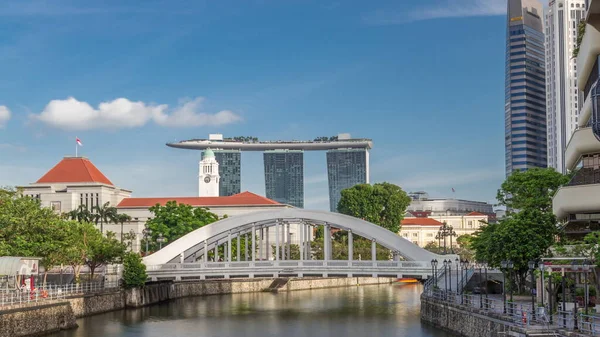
[188, 257]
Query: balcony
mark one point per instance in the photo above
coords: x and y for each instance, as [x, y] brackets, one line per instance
[582, 142]
[576, 199]
[588, 50]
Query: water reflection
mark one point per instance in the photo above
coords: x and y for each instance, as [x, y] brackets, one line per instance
[358, 311]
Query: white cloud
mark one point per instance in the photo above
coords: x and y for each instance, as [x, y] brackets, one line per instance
[71, 114]
[14, 147]
[4, 115]
[444, 9]
[449, 180]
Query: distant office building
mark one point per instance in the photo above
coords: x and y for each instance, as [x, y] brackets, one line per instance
[423, 206]
[525, 87]
[562, 21]
[284, 176]
[230, 171]
[345, 168]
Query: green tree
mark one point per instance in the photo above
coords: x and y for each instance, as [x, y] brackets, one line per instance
[134, 271]
[531, 189]
[81, 214]
[103, 250]
[530, 226]
[176, 220]
[104, 214]
[122, 219]
[383, 204]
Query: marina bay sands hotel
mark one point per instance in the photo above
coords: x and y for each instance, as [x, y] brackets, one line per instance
[347, 164]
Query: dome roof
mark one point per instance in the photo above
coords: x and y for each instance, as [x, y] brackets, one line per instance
[208, 153]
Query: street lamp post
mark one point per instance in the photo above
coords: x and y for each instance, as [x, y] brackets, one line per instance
[147, 232]
[480, 292]
[458, 275]
[504, 265]
[575, 267]
[533, 286]
[160, 240]
[445, 262]
[434, 264]
[450, 274]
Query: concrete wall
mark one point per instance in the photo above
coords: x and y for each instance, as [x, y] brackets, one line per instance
[97, 303]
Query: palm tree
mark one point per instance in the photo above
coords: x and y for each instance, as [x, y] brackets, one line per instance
[122, 218]
[81, 214]
[105, 214]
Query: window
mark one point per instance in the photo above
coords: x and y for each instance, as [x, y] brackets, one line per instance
[429, 235]
[55, 206]
[405, 234]
[415, 235]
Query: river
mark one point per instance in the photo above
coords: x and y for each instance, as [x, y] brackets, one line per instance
[373, 311]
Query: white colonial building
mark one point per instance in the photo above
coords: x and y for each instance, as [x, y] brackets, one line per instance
[76, 181]
[422, 230]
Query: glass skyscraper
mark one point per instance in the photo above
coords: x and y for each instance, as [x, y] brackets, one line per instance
[345, 168]
[525, 87]
[284, 176]
[230, 171]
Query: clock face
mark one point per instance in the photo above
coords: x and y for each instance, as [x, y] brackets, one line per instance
[207, 180]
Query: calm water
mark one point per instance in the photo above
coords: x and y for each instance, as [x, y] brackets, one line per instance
[386, 310]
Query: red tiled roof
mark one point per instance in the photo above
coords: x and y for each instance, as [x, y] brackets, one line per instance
[241, 199]
[421, 222]
[74, 170]
[475, 213]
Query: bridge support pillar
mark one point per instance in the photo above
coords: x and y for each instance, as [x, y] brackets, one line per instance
[253, 238]
[229, 247]
[216, 251]
[277, 241]
[239, 250]
[268, 246]
[308, 249]
[261, 234]
[246, 236]
[350, 246]
[202, 277]
[327, 245]
[373, 250]
[301, 243]
[205, 251]
[289, 242]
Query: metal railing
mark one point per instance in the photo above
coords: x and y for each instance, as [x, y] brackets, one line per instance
[589, 324]
[52, 292]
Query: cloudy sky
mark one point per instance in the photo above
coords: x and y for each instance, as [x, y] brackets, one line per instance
[423, 79]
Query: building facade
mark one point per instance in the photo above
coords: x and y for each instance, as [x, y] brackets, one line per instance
[577, 204]
[208, 179]
[230, 171]
[345, 168]
[423, 230]
[563, 100]
[421, 202]
[284, 176]
[525, 87]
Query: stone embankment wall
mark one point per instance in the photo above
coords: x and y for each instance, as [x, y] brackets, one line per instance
[466, 321]
[36, 319]
[50, 316]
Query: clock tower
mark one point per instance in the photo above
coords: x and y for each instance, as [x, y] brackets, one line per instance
[208, 182]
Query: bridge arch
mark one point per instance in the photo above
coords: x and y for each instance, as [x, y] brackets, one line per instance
[195, 244]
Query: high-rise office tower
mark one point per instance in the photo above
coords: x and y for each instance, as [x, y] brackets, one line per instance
[345, 168]
[230, 182]
[562, 21]
[525, 87]
[284, 176]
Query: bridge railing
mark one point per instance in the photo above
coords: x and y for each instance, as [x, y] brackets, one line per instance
[291, 263]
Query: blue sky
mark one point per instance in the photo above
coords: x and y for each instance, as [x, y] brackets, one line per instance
[423, 79]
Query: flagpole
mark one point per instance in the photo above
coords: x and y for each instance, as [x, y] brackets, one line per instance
[76, 148]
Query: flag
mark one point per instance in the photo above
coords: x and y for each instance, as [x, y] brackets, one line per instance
[453, 190]
[78, 141]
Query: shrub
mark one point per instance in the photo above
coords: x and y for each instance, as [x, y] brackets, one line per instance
[134, 271]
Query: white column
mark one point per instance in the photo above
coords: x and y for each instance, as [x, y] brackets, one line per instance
[350, 246]
[301, 243]
[373, 250]
[327, 238]
[261, 235]
[239, 250]
[229, 247]
[277, 241]
[253, 238]
[289, 242]
[216, 251]
[308, 236]
[246, 236]
[205, 251]
[268, 246]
